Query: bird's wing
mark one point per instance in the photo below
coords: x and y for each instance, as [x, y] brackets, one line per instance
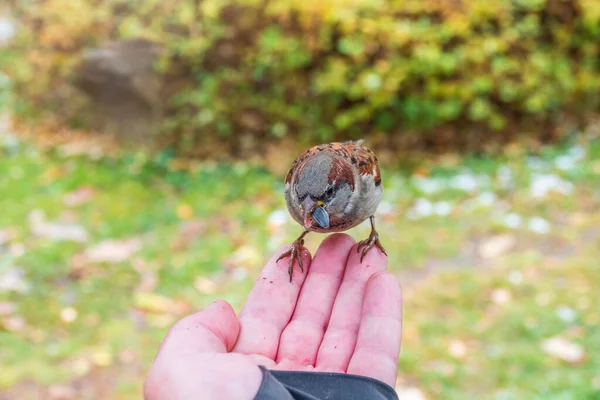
[361, 156]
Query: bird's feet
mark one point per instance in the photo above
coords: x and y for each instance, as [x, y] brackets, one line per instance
[368, 244]
[295, 254]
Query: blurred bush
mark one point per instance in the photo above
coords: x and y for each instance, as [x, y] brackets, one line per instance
[405, 72]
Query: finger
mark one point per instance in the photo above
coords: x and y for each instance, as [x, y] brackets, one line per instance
[214, 329]
[270, 305]
[193, 359]
[380, 333]
[302, 337]
[340, 337]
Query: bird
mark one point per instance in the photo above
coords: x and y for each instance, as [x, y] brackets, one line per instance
[333, 187]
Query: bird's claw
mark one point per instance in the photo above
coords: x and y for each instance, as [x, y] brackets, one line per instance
[295, 253]
[368, 244]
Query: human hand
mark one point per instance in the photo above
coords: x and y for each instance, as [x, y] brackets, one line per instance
[339, 315]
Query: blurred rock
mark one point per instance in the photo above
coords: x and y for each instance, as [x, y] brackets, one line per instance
[126, 89]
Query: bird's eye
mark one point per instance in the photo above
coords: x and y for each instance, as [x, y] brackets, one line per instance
[329, 192]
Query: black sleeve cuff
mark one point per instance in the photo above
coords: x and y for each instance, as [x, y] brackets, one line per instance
[304, 385]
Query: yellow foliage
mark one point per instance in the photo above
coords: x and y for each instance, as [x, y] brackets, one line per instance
[332, 69]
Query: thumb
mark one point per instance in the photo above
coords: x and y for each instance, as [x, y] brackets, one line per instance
[192, 361]
[212, 330]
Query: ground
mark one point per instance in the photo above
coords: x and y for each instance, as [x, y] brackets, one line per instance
[497, 256]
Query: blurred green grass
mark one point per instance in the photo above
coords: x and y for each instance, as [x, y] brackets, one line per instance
[473, 325]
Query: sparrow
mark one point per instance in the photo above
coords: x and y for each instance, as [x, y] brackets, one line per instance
[333, 187]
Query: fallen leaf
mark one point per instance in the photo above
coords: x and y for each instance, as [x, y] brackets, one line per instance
[16, 250]
[245, 255]
[51, 174]
[539, 225]
[515, 277]
[6, 235]
[185, 211]
[92, 320]
[56, 231]
[148, 276]
[14, 323]
[410, 393]
[189, 232]
[501, 296]
[61, 392]
[457, 348]
[563, 349]
[277, 219]
[238, 274]
[421, 171]
[7, 308]
[36, 335]
[566, 313]
[205, 285]
[102, 358]
[80, 366]
[160, 320]
[113, 251]
[13, 279]
[226, 225]
[68, 314]
[584, 303]
[79, 196]
[127, 356]
[578, 219]
[159, 304]
[450, 160]
[496, 246]
[574, 332]
[444, 368]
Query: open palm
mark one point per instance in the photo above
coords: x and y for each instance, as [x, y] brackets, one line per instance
[339, 315]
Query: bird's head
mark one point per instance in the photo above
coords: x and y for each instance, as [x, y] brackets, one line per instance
[324, 187]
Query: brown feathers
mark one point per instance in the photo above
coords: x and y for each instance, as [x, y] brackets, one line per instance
[353, 152]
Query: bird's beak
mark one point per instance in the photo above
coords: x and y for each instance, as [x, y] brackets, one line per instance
[321, 217]
[316, 210]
